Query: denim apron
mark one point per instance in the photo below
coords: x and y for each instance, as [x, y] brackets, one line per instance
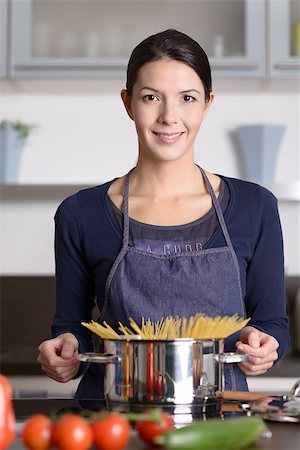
[142, 284]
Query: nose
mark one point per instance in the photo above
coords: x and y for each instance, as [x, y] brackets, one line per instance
[168, 113]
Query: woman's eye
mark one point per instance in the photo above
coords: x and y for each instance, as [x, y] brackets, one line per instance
[150, 97]
[188, 98]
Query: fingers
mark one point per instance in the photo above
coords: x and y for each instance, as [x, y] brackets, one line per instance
[57, 362]
[261, 349]
[257, 366]
[262, 352]
[256, 343]
[257, 361]
[68, 349]
[61, 374]
[52, 360]
[59, 357]
[255, 370]
[251, 337]
[59, 349]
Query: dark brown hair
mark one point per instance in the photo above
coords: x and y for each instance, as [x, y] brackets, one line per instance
[171, 44]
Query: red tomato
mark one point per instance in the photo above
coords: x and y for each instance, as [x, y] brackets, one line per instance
[112, 432]
[72, 432]
[36, 433]
[148, 430]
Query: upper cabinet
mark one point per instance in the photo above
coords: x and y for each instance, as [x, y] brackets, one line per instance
[3, 38]
[86, 38]
[95, 38]
[284, 34]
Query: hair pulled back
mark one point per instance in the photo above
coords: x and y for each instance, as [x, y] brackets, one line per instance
[174, 45]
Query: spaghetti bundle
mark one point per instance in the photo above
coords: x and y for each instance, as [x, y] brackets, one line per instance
[169, 328]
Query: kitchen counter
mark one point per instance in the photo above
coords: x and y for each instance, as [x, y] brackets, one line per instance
[285, 436]
[280, 378]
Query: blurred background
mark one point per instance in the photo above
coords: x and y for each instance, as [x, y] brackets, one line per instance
[63, 128]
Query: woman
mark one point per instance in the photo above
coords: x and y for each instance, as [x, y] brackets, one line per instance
[168, 238]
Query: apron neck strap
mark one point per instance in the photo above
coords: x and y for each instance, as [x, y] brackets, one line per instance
[217, 208]
[125, 211]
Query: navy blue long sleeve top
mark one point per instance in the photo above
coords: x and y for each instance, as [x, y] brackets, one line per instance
[87, 241]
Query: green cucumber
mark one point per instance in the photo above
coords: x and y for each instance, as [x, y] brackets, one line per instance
[226, 434]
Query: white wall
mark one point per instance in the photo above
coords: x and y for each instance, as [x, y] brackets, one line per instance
[84, 137]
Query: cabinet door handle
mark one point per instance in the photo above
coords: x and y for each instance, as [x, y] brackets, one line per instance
[287, 65]
[52, 63]
[227, 65]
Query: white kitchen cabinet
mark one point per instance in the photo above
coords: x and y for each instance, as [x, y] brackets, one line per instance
[72, 38]
[284, 36]
[3, 38]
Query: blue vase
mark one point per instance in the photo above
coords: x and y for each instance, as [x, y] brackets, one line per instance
[11, 145]
[259, 145]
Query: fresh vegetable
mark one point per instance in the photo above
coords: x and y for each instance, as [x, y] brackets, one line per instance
[36, 433]
[112, 432]
[7, 414]
[228, 434]
[72, 432]
[149, 430]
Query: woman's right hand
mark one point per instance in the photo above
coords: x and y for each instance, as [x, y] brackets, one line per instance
[59, 357]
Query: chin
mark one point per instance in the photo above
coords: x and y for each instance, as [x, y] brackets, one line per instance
[168, 154]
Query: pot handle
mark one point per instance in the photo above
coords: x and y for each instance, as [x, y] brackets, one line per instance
[102, 358]
[228, 358]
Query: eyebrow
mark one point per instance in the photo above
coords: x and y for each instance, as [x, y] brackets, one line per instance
[190, 90]
[149, 88]
[181, 92]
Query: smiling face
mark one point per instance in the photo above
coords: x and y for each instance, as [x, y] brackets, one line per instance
[168, 106]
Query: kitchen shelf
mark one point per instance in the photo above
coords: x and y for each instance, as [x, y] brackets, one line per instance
[288, 192]
[39, 191]
[279, 379]
[288, 367]
[285, 192]
[89, 68]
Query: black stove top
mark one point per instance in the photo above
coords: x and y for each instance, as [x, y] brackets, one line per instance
[55, 406]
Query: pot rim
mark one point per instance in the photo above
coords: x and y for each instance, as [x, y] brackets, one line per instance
[138, 338]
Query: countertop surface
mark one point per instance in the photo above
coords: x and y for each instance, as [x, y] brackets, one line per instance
[285, 436]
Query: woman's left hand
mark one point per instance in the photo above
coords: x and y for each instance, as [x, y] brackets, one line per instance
[260, 347]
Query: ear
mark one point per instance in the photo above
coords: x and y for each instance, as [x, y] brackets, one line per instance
[126, 98]
[211, 99]
[209, 102]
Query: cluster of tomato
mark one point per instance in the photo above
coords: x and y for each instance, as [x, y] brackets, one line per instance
[73, 432]
[111, 432]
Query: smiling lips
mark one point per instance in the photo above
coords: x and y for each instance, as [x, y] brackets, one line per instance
[168, 138]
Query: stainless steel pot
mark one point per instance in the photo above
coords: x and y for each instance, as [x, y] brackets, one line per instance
[178, 374]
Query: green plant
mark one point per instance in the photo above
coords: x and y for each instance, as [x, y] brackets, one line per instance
[22, 128]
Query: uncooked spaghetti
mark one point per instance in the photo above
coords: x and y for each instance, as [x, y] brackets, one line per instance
[170, 328]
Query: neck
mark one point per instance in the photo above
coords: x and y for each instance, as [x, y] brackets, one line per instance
[167, 179]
